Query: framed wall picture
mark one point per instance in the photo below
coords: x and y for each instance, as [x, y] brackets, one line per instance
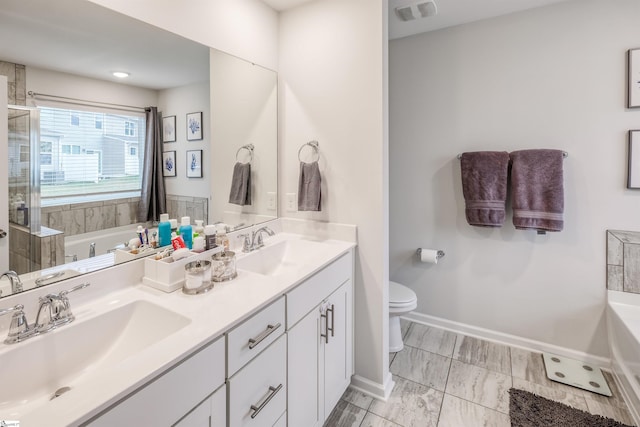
[194, 126]
[633, 78]
[633, 176]
[169, 129]
[169, 163]
[194, 164]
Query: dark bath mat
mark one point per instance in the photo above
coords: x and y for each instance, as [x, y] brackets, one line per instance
[530, 410]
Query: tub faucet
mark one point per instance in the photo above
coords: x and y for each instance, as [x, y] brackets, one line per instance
[16, 284]
[92, 249]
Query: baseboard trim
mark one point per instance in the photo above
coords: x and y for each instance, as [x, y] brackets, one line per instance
[507, 339]
[373, 389]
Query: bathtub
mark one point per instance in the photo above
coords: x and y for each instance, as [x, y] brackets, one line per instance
[623, 325]
[105, 241]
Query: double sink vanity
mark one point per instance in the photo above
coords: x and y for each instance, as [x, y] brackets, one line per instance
[273, 347]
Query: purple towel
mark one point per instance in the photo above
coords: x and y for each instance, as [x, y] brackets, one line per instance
[484, 186]
[537, 190]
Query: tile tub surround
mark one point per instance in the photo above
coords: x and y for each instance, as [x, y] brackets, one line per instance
[80, 218]
[478, 375]
[623, 261]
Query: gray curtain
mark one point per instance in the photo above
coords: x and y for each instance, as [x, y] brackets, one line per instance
[152, 196]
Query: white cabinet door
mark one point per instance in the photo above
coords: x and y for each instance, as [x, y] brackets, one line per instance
[337, 348]
[210, 413]
[304, 372]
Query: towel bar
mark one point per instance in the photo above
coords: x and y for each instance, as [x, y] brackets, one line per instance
[249, 148]
[312, 144]
[564, 155]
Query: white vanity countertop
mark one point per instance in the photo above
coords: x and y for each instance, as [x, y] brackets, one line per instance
[211, 314]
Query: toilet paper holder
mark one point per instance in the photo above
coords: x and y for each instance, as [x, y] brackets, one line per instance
[440, 253]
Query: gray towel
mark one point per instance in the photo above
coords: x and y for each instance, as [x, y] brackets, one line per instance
[240, 193]
[484, 186]
[537, 190]
[309, 187]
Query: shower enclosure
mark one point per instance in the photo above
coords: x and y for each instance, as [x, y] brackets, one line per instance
[24, 188]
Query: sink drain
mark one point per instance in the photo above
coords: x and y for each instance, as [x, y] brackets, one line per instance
[59, 392]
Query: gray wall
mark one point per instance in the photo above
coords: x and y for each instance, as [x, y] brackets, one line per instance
[553, 77]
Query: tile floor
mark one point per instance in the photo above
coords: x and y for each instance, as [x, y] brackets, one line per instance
[445, 379]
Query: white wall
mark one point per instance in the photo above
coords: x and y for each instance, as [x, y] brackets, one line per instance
[71, 86]
[552, 77]
[245, 28]
[179, 102]
[332, 69]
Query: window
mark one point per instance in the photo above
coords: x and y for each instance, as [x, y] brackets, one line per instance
[70, 149]
[46, 153]
[129, 129]
[90, 159]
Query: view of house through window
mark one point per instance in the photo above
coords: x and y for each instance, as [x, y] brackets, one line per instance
[84, 153]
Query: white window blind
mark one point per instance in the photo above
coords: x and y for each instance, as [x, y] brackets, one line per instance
[85, 153]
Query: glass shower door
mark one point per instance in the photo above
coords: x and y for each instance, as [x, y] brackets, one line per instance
[24, 187]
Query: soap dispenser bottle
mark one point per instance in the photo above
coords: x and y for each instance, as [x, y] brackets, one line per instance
[164, 230]
[186, 231]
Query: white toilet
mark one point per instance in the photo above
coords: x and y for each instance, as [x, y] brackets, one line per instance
[402, 300]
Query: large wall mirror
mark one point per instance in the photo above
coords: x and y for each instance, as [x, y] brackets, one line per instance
[219, 115]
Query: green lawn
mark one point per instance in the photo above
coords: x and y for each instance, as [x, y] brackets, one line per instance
[125, 183]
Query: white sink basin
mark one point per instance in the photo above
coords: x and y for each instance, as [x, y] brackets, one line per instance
[32, 371]
[281, 258]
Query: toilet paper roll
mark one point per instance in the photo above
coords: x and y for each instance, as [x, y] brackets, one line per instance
[429, 255]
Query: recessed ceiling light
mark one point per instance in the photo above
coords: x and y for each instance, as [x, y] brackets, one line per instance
[120, 74]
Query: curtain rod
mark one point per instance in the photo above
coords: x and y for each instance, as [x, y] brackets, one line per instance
[84, 101]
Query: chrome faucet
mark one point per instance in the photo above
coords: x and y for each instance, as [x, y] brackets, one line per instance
[53, 311]
[254, 241]
[92, 249]
[16, 284]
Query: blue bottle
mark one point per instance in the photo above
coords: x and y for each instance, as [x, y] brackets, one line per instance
[164, 230]
[186, 231]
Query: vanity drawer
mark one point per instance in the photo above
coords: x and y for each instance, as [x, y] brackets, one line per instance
[310, 293]
[167, 398]
[252, 336]
[260, 388]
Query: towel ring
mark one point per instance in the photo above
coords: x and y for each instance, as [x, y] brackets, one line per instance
[249, 148]
[312, 144]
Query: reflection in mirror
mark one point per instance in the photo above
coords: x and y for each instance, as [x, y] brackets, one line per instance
[244, 125]
[63, 53]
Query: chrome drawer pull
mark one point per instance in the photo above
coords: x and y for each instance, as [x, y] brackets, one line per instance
[272, 392]
[333, 315]
[257, 340]
[325, 316]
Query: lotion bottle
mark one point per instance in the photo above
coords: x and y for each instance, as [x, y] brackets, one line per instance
[164, 230]
[186, 231]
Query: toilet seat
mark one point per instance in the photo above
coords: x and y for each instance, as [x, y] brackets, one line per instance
[400, 295]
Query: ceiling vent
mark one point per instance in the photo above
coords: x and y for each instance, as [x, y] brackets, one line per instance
[416, 10]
